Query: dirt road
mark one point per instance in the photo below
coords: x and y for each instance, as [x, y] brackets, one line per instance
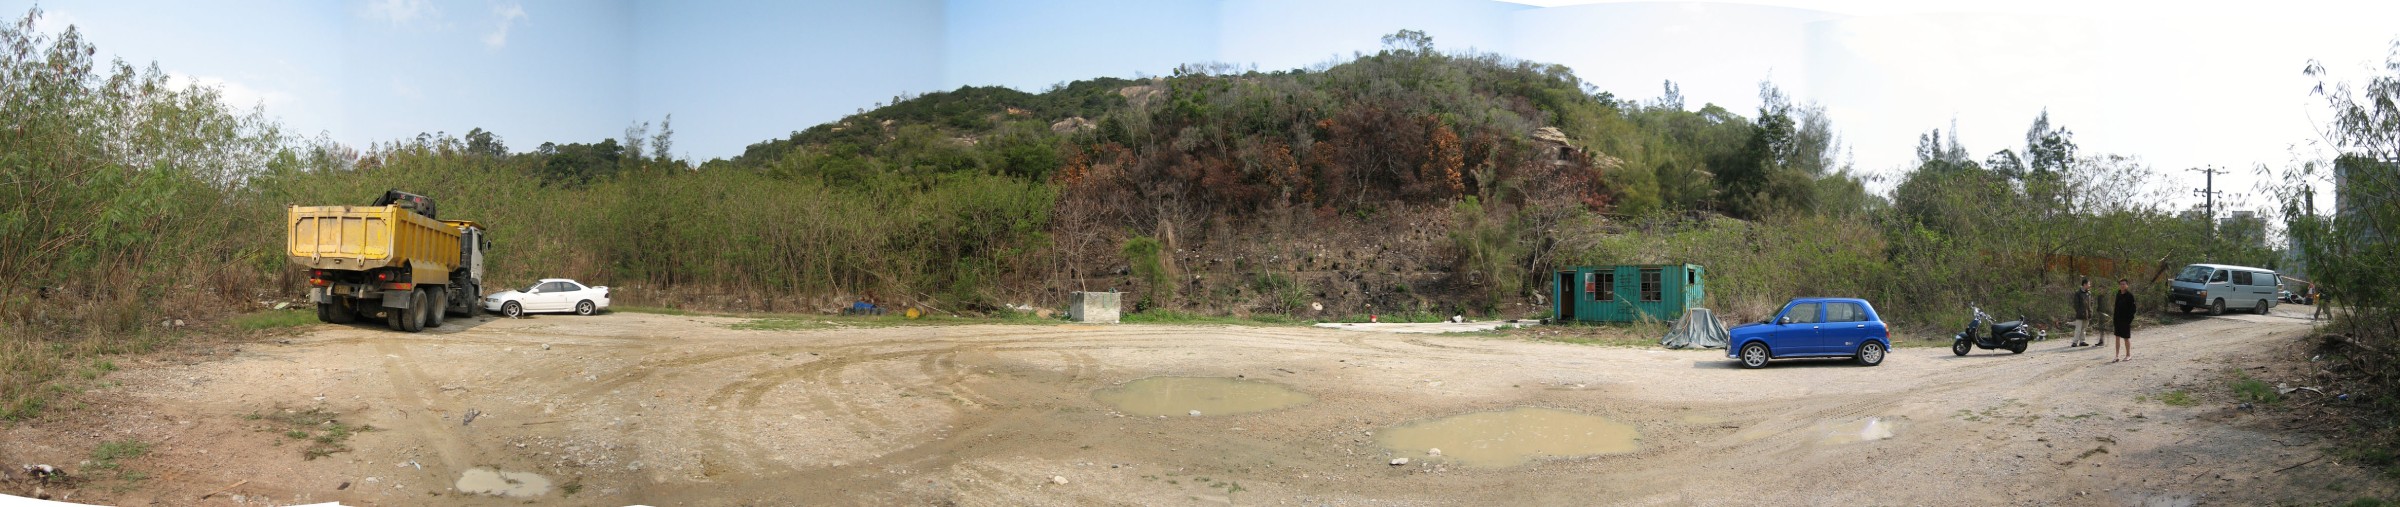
[675, 410]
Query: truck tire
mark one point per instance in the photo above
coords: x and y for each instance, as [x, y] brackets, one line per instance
[422, 311]
[468, 294]
[440, 310]
[411, 319]
[336, 313]
[395, 318]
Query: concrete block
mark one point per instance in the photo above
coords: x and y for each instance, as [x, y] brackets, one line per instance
[1100, 307]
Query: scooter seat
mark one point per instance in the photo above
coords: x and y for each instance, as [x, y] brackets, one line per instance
[2007, 326]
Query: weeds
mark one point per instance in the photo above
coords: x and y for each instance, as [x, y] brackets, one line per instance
[323, 434]
[274, 319]
[2178, 398]
[109, 457]
[1176, 317]
[2255, 391]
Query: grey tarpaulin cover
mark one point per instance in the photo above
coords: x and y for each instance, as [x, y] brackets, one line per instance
[1699, 328]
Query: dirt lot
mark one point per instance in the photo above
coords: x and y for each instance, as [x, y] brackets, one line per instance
[674, 410]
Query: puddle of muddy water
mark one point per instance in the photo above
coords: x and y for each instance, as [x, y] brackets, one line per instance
[1208, 396]
[498, 483]
[1511, 437]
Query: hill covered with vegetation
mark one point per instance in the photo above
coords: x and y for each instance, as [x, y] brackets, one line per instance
[1410, 181]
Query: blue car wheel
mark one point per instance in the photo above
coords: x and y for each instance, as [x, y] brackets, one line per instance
[1754, 355]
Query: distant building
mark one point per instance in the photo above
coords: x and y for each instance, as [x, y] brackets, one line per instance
[2361, 184]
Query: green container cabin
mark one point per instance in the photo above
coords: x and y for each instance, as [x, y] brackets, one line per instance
[1626, 293]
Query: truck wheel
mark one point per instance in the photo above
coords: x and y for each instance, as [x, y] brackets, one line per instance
[413, 319]
[336, 313]
[396, 318]
[440, 310]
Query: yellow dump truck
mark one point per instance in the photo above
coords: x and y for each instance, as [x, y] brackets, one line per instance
[393, 260]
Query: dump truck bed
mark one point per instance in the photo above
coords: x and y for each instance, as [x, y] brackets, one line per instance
[361, 238]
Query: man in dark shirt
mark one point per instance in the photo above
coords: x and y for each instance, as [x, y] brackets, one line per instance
[2124, 320]
[2083, 310]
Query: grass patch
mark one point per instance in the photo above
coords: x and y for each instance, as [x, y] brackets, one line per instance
[2178, 399]
[1176, 317]
[658, 310]
[1640, 334]
[2255, 391]
[109, 457]
[273, 319]
[572, 486]
[37, 367]
[2367, 502]
[322, 432]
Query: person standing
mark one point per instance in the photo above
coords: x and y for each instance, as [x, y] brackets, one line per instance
[2317, 301]
[2124, 321]
[2083, 309]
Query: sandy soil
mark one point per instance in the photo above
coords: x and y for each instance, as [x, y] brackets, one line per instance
[678, 410]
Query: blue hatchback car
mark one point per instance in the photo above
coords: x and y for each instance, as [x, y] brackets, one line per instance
[1813, 327]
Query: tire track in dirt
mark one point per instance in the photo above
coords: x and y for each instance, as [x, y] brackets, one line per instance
[1421, 342]
[409, 386]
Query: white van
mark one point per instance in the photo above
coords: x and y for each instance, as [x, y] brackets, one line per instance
[2217, 287]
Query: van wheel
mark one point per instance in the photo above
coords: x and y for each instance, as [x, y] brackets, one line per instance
[2187, 309]
[2217, 308]
[2262, 307]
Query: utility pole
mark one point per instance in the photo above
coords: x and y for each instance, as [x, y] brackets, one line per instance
[2208, 193]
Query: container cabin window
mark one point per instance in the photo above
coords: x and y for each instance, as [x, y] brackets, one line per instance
[1651, 285]
[1591, 286]
[1607, 289]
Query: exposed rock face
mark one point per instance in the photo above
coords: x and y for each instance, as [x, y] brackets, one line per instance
[1073, 124]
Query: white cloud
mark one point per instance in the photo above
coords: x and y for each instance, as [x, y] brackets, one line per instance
[401, 12]
[234, 93]
[509, 14]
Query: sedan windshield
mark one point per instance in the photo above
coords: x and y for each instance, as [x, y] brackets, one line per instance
[530, 288]
[2194, 274]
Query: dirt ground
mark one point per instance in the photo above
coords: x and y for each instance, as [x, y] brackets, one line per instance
[683, 410]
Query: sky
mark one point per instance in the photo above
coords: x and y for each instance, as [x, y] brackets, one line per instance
[2177, 85]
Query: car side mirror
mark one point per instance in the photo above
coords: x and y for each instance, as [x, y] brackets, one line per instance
[1783, 320]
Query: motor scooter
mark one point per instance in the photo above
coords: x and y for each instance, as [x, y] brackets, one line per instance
[2012, 335]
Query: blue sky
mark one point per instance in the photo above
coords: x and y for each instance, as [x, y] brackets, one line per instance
[2183, 85]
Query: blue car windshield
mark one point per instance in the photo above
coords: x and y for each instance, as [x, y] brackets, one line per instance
[2195, 274]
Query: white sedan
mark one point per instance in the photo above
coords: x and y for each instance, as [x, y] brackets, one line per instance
[549, 295]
